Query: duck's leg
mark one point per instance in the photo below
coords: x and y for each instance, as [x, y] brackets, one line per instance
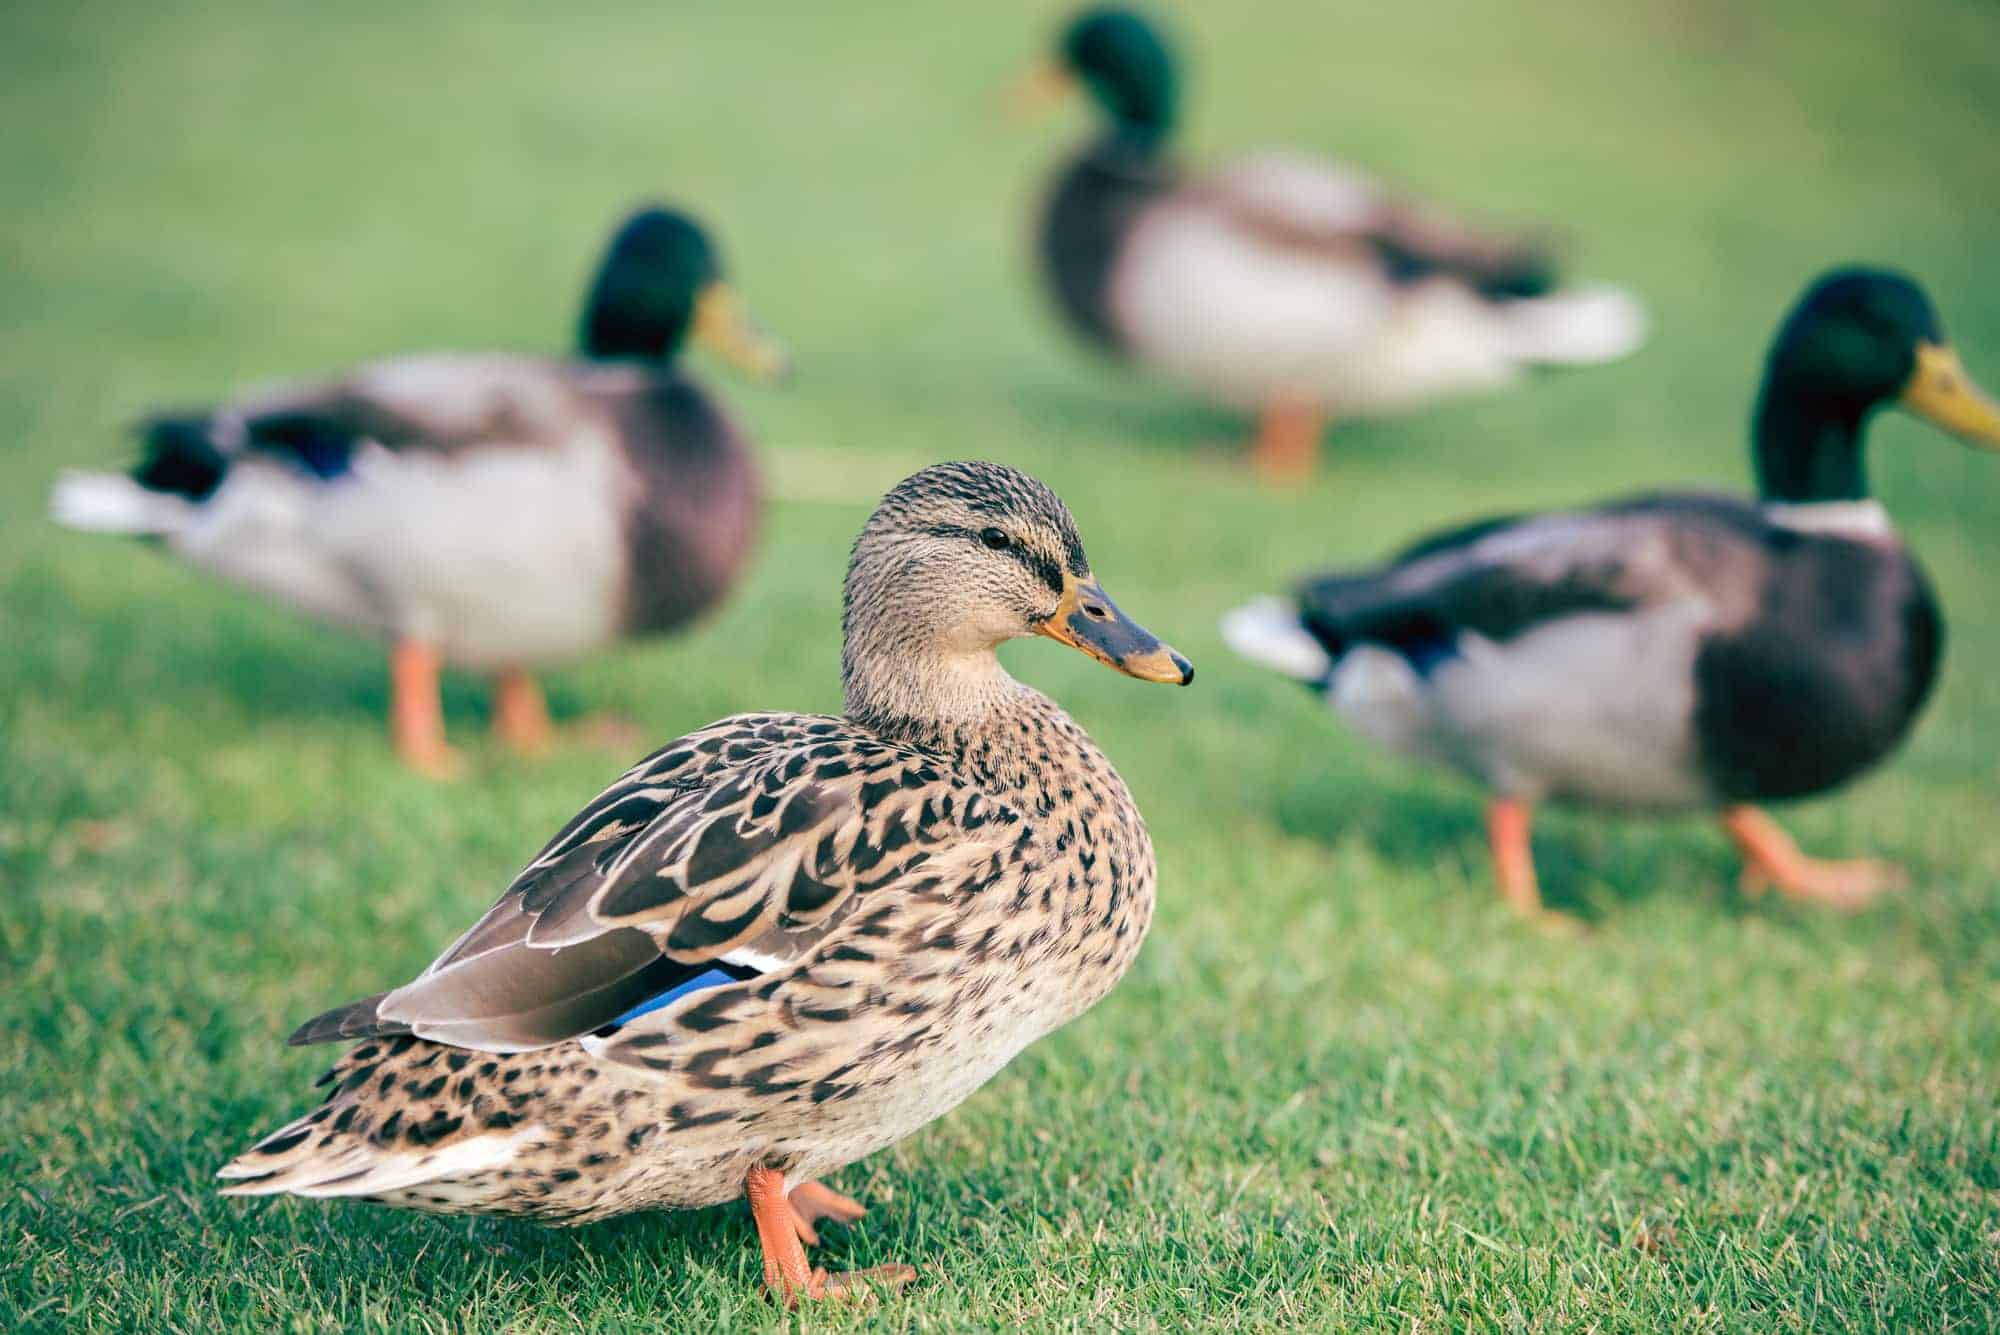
[1287, 444]
[814, 1201]
[520, 712]
[1772, 858]
[1509, 821]
[786, 1273]
[416, 711]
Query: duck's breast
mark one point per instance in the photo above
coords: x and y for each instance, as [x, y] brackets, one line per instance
[692, 499]
[1830, 675]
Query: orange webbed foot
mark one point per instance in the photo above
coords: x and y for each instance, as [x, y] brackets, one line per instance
[786, 1273]
[1773, 861]
[811, 1202]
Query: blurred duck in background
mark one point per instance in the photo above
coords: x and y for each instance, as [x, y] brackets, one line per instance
[1673, 651]
[1287, 286]
[492, 511]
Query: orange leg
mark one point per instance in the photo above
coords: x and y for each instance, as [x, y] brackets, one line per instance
[416, 713]
[1771, 858]
[1508, 822]
[814, 1201]
[520, 714]
[786, 1273]
[1287, 444]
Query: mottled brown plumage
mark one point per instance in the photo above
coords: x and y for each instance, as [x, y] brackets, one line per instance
[900, 899]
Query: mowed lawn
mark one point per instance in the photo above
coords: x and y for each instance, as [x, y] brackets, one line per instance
[1341, 1087]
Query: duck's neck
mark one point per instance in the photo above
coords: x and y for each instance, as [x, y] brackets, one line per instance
[1133, 141]
[937, 696]
[1808, 446]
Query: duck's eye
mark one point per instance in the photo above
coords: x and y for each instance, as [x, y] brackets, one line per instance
[996, 539]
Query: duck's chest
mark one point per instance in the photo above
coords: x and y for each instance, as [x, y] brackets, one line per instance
[1826, 679]
[1077, 910]
[1090, 211]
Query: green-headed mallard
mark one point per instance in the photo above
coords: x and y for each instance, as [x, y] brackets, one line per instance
[782, 942]
[494, 511]
[1281, 284]
[1671, 651]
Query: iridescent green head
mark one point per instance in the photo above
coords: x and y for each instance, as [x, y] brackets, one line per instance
[1857, 340]
[660, 284]
[1120, 58]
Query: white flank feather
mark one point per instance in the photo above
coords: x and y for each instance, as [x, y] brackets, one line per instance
[1576, 327]
[114, 503]
[1267, 631]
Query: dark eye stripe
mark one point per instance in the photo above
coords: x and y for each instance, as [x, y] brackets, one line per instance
[1048, 571]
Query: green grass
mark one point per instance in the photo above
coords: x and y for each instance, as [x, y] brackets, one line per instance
[1340, 1088]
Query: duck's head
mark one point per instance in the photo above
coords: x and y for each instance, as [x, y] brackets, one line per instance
[958, 559]
[1120, 58]
[660, 284]
[1858, 340]
[1866, 338]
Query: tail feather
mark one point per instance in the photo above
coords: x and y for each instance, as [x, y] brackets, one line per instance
[180, 455]
[1268, 631]
[113, 503]
[357, 1019]
[355, 1166]
[1579, 326]
[398, 1115]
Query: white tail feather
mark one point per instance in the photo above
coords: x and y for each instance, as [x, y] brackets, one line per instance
[113, 503]
[359, 1168]
[1576, 327]
[1267, 631]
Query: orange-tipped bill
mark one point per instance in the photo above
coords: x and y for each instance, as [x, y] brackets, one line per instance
[1087, 620]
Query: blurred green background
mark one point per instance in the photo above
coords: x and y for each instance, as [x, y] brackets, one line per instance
[1341, 1087]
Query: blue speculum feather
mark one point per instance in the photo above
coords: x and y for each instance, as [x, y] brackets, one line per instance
[1427, 652]
[323, 448]
[706, 979]
[325, 459]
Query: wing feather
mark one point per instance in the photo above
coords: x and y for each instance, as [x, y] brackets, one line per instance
[1500, 578]
[751, 840]
[1289, 202]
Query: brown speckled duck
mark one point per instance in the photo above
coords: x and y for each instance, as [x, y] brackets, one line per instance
[785, 941]
[493, 511]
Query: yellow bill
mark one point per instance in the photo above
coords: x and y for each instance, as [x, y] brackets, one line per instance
[724, 327]
[1942, 394]
[1044, 87]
